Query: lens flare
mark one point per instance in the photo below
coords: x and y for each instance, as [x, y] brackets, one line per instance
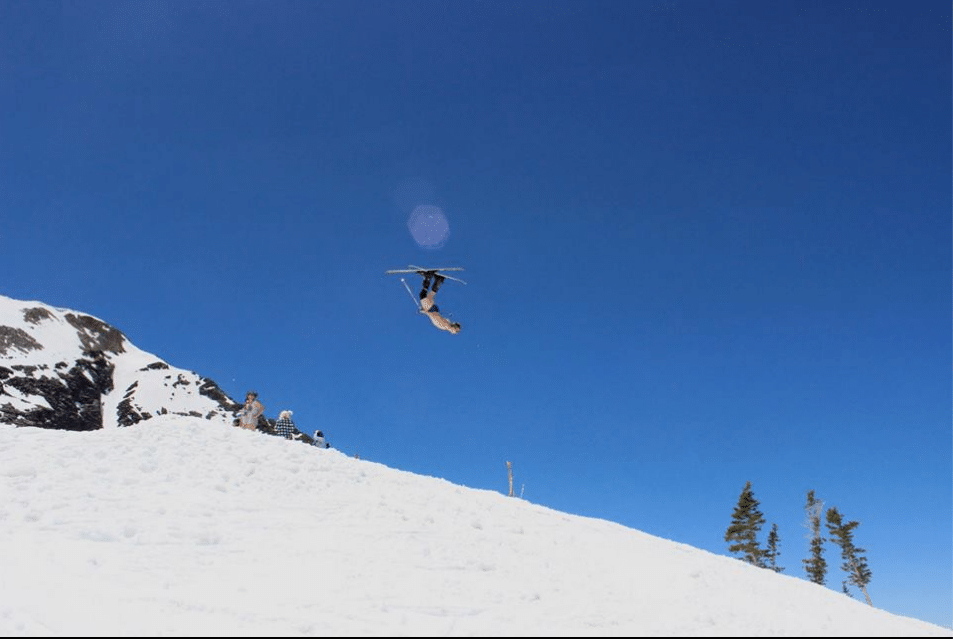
[429, 226]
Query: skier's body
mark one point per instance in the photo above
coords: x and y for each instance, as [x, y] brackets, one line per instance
[429, 307]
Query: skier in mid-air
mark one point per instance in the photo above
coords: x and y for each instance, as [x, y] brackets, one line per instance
[429, 307]
[427, 304]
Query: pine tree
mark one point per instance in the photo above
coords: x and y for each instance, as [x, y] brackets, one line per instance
[773, 551]
[855, 564]
[746, 522]
[816, 565]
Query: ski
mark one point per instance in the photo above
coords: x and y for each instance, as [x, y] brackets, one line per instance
[419, 270]
[433, 270]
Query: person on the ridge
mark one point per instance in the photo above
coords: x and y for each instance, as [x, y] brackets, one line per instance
[318, 440]
[251, 411]
[285, 427]
[429, 307]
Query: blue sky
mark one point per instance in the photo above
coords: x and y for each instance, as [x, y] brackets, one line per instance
[705, 243]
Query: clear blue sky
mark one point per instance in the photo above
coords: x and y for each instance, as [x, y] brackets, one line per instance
[705, 242]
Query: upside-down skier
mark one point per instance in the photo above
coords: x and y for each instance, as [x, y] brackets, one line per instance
[427, 303]
[429, 307]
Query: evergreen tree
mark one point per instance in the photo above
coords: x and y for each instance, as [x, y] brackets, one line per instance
[773, 551]
[746, 522]
[855, 564]
[816, 565]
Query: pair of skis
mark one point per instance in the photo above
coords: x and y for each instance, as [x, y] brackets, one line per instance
[424, 272]
[419, 270]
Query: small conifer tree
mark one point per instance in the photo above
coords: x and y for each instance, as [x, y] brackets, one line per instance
[746, 522]
[816, 565]
[773, 550]
[855, 564]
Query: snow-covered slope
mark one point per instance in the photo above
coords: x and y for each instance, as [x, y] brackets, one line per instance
[184, 527]
[68, 370]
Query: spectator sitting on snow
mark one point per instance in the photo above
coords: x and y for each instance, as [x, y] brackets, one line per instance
[285, 427]
[319, 440]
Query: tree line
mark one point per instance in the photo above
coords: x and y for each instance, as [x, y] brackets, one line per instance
[747, 520]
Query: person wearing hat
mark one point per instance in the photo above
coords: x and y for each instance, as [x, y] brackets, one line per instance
[318, 440]
[251, 411]
[285, 427]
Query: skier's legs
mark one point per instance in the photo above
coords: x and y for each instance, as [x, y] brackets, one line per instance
[437, 281]
[423, 291]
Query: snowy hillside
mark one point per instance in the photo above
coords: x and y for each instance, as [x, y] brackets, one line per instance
[185, 526]
[68, 370]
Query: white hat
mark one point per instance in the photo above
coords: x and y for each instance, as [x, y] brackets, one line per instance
[285, 414]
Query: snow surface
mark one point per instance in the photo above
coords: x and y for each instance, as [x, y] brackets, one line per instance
[182, 526]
